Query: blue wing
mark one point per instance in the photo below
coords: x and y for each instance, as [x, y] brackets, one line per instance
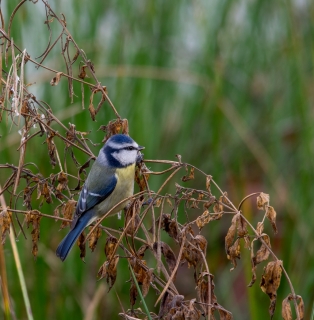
[93, 194]
[98, 186]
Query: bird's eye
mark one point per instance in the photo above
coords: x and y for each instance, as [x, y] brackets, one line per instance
[130, 148]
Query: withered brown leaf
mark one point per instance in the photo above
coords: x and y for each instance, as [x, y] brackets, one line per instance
[44, 190]
[63, 181]
[208, 179]
[82, 74]
[300, 307]
[262, 254]
[270, 282]
[169, 225]
[67, 212]
[109, 270]
[133, 294]
[110, 247]
[93, 239]
[5, 222]
[81, 244]
[271, 216]
[132, 218]
[234, 253]
[55, 80]
[92, 111]
[167, 253]
[262, 201]
[286, 312]
[188, 177]
[33, 217]
[260, 227]
[51, 148]
[147, 281]
[206, 217]
[224, 314]
[218, 207]
[231, 233]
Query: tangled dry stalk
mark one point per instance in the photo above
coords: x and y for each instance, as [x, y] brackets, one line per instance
[20, 107]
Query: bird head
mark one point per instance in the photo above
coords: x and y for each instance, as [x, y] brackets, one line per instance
[119, 151]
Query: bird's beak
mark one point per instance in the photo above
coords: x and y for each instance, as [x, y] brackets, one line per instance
[139, 148]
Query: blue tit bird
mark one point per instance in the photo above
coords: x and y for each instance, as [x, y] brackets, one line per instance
[110, 180]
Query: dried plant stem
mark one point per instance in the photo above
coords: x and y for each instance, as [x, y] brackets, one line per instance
[139, 292]
[18, 266]
[4, 283]
[170, 280]
[282, 267]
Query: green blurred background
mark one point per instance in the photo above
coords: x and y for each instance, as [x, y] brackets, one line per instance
[229, 85]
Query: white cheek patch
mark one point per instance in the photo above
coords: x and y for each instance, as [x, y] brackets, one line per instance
[125, 157]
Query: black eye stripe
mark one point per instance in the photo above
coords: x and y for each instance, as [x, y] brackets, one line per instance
[129, 148]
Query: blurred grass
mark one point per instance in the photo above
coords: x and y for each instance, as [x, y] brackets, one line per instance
[226, 84]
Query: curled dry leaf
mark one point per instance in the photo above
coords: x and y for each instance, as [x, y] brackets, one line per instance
[114, 127]
[167, 253]
[210, 202]
[93, 239]
[92, 111]
[193, 255]
[224, 198]
[70, 135]
[27, 195]
[147, 281]
[55, 80]
[206, 217]
[62, 181]
[139, 179]
[218, 207]
[270, 282]
[133, 294]
[260, 228]
[203, 288]
[208, 179]
[169, 225]
[141, 251]
[231, 233]
[242, 231]
[286, 312]
[109, 271]
[143, 277]
[132, 218]
[234, 253]
[224, 314]
[82, 74]
[44, 190]
[5, 222]
[81, 244]
[51, 148]
[33, 217]
[169, 202]
[110, 247]
[67, 212]
[262, 254]
[286, 307]
[262, 201]
[188, 177]
[192, 313]
[271, 216]
[201, 242]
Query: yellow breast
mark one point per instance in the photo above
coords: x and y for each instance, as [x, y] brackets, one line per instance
[124, 189]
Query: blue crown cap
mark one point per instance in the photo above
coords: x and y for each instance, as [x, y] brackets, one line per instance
[120, 138]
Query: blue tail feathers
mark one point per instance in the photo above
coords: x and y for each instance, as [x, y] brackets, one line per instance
[69, 240]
